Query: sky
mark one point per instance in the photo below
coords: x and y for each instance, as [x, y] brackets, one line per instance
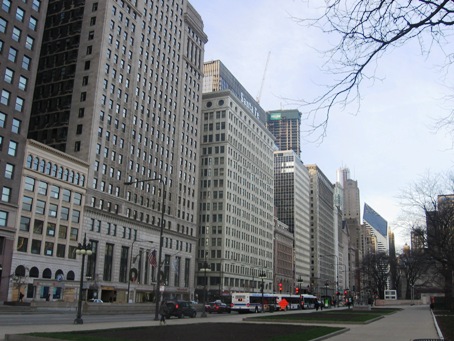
[388, 144]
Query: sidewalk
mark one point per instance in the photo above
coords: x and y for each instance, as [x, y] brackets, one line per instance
[413, 322]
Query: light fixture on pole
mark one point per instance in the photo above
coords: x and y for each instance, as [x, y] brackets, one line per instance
[262, 276]
[205, 269]
[130, 268]
[161, 232]
[83, 249]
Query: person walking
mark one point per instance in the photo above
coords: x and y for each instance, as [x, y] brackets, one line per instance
[163, 310]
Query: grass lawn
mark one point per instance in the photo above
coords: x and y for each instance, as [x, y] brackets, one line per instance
[200, 331]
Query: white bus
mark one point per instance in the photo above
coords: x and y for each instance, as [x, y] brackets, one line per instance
[308, 301]
[246, 302]
[293, 302]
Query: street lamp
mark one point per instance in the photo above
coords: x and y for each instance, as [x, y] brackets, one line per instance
[130, 267]
[205, 293]
[158, 280]
[82, 249]
[326, 291]
[262, 276]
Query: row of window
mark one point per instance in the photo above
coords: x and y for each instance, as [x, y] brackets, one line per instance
[6, 5]
[59, 172]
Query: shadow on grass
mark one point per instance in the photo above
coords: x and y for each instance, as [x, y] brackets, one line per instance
[201, 331]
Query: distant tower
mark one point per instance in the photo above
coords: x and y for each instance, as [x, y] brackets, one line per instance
[378, 227]
[285, 126]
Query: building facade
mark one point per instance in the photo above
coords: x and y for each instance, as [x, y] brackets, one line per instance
[285, 127]
[21, 28]
[119, 87]
[236, 189]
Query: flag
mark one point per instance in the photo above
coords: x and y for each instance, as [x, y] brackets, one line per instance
[152, 259]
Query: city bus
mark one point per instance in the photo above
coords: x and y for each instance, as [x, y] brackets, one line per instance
[293, 302]
[246, 302]
[308, 301]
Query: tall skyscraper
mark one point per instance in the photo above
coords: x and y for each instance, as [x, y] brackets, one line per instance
[285, 127]
[119, 87]
[323, 257]
[292, 193]
[21, 28]
[378, 228]
[236, 191]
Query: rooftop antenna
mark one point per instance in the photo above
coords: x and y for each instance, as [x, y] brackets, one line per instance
[263, 79]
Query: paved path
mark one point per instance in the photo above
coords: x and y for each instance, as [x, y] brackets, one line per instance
[413, 322]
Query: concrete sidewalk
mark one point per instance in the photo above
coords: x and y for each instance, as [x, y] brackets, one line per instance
[413, 322]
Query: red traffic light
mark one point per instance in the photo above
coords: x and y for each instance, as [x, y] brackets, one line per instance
[345, 292]
[297, 291]
[280, 286]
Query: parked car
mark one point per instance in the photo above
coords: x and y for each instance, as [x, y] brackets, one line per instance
[217, 307]
[179, 309]
[95, 300]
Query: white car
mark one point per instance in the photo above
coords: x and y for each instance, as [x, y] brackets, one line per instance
[96, 300]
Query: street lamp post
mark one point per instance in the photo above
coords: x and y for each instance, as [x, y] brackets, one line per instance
[83, 249]
[326, 291]
[130, 267]
[161, 232]
[205, 293]
[262, 276]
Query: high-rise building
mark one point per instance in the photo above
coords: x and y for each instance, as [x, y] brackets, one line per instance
[119, 87]
[378, 228]
[323, 257]
[285, 127]
[21, 28]
[291, 199]
[236, 188]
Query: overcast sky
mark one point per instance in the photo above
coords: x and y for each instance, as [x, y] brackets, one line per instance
[388, 145]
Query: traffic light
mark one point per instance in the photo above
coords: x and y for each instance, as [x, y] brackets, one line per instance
[345, 292]
[297, 290]
[280, 287]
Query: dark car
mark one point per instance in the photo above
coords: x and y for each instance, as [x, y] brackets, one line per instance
[217, 307]
[179, 309]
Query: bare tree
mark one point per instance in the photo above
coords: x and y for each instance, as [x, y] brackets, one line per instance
[364, 31]
[375, 268]
[432, 198]
[414, 266]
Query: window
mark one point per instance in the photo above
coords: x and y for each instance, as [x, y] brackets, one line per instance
[29, 184]
[74, 234]
[32, 23]
[16, 126]
[89, 49]
[16, 34]
[38, 226]
[48, 249]
[77, 199]
[20, 13]
[23, 83]
[19, 104]
[3, 218]
[2, 120]
[75, 216]
[55, 192]
[9, 171]
[91, 35]
[3, 25]
[29, 42]
[92, 21]
[36, 5]
[62, 231]
[36, 247]
[22, 243]
[87, 65]
[66, 195]
[40, 207]
[12, 148]
[51, 229]
[53, 210]
[12, 54]
[27, 203]
[6, 5]
[6, 194]
[61, 248]
[42, 188]
[4, 99]
[24, 224]
[26, 62]
[9, 76]
[64, 213]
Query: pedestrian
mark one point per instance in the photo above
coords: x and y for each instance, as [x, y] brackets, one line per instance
[316, 305]
[163, 310]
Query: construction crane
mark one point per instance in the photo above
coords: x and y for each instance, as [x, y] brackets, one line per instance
[263, 79]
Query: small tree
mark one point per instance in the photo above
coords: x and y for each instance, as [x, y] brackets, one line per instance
[414, 265]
